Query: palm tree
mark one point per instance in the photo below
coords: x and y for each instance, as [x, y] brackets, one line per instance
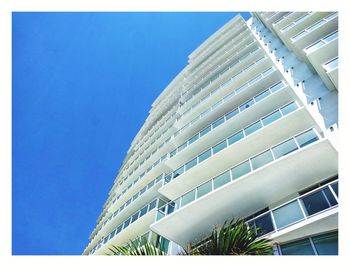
[139, 247]
[233, 238]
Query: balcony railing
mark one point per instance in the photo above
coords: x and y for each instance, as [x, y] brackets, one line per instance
[247, 166]
[233, 113]
[321, 42]
[297, 21]
[313, 27]
[331, 65]
[235, 92]
[296, 210]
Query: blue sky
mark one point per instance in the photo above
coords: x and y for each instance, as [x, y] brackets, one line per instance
[83, 84]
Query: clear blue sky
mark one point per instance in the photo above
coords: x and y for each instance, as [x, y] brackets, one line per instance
[83, 84]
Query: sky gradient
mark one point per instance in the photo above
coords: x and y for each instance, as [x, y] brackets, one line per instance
[83, 84]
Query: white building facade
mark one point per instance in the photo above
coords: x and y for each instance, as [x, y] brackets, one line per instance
[247, 130]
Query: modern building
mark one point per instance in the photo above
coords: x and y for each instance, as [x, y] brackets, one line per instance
[248, 129]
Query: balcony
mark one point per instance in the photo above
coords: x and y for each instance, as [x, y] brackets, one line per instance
[331, 68]
[311, 213]
[252, 139]
[247, 190]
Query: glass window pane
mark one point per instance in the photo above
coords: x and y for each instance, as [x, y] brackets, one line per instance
[261, 159]
[204, 189]
[222, 179]
[173, 153]
[194, 138]
[262, 95]
[252, 128]
[143, 190]
[240, 170]
[219, 147]
[134, 217]
[314, 46]
[330, 197]
[301, 247]
[231, 114]
[234, 138]
[314, 203]
[150, 184]
[191, 164]
[289, 108]
[246, 105]
[284, 148]
[264, 223]
[178, 172]
[181, 147]
[306, 138]
[326, 244]
[204, 155]
[299, 35]
[272, 117]
[316, 25]
[189, 197]
[218, 122]
[287, 214]
[205, 130]
[276, 87]
[126, 223]
[331, 16]
[120, 227]
[335, 188]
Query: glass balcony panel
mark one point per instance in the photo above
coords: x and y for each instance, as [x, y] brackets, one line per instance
[126, 223]
[135, 197]
[316, 25]
[204, 156]
[299, 35]
[276, 87]
[306, 138]
[189, 197]
[331, 65]
[335, 188]
[191, 164]
[255, 79]
[134, 217]
[301, 247]
[204, 189]
[240, 170]
[219, 147]
[284, 148]
[267, 72]
[231, 114]
[152, 205]
[194, 138]
[262, 95]
[261, 159]
[151, 184]
[222, 179]
[331, 16]
[218, 122]
[314, 46]
[171, 208]
[173, 153]
[330, 197]
[271, 118]
[234, 138]
[181, 147]
[167, 178]
[326, 244]
[289, 108]
[178, 172]
[205, 130]
[287, 214]
[252, 128]
[264, 223]
[143, 190]
[120, 227]
[246, 105]
[331, 37]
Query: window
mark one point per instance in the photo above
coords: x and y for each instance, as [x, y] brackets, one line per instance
[178, 171]
[222, 179]
[326, 244]
[301, 247]
[152, 205]
[335, 188]
[264, 223]
[204, 189]
[318, 201]
[287, 214]
[261, 159]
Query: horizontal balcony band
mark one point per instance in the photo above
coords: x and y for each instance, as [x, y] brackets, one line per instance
[265, 137]
[249, 193]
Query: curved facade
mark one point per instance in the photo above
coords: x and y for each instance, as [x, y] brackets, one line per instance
[247, 130]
